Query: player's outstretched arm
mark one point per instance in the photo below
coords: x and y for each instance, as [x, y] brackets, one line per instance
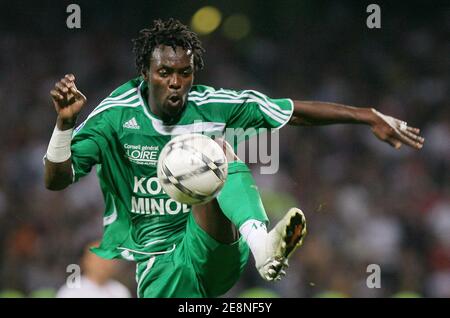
[68, 102]
[386, 128]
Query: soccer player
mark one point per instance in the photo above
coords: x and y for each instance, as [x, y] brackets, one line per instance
[181, 250]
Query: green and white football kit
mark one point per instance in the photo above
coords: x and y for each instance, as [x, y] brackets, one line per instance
[123, 139]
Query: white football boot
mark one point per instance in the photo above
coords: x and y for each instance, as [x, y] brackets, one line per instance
[281, 242]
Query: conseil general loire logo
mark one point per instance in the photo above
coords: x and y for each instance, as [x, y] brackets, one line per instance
[142, 154]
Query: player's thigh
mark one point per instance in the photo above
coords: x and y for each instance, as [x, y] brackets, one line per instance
[210, 218]
[218, 266]
[165, 276]
[199, 266]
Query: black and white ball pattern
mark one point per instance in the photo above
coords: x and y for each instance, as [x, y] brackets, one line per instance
[192, 168]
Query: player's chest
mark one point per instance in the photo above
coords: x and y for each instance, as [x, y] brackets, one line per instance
[140, 145]
[141, 139]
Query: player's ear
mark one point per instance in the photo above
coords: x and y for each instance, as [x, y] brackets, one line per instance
[145, 75]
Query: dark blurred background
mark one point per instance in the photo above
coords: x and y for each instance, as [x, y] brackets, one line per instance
[366, 202]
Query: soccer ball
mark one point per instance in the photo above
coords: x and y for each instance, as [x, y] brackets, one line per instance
[192, 168]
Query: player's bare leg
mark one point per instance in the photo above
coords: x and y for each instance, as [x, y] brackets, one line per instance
[211, 219]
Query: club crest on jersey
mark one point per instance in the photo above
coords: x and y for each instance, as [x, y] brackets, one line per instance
[142, 154]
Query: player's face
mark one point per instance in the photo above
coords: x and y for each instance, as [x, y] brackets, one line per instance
[170, 77]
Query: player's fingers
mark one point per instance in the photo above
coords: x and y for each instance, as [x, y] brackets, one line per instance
[407, 141]
[56, 96]
[413, 130]
[68, 83]
[77, 93]
[70, 77]
[412, 136]
[81, 95]
[394, 142]
[73, 90]
[61, 88]
[407, 136]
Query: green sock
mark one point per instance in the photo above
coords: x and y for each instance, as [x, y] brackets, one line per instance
[239, 198]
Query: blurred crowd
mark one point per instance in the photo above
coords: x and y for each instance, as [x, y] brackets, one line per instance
[366, 203]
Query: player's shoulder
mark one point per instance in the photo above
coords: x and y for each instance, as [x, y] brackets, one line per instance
[204, 95]
[123, 97]
[123, 100]
[209, 90]
[127, 87]
[200, 89]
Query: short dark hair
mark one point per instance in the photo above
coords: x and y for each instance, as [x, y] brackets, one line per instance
[171, 33]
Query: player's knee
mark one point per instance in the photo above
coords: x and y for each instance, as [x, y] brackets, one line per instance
[227, 149]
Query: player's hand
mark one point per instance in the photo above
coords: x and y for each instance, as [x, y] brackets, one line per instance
[395, 132]
[68, 101]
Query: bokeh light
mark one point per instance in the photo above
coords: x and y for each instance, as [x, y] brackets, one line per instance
[236, 27]
[206, 20]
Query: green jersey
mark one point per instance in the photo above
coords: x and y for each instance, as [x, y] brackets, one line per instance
[123, 139]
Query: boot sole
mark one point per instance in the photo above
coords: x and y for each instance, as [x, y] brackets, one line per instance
[295, 232]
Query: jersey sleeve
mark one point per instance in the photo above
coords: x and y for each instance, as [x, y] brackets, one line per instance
[88, 142]
[245, 113]
[255, 110]
[243, 109]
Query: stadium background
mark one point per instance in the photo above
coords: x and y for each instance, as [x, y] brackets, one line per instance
[366, 203]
